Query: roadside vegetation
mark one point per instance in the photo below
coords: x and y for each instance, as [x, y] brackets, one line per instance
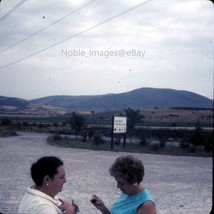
[94, 132]
[184, 143]
[187, 150]
[6, 130]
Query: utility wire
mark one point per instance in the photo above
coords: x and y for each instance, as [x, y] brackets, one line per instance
[11, 11]
[53, 23]
[77, 34]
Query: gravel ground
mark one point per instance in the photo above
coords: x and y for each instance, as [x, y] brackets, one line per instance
[178, 184]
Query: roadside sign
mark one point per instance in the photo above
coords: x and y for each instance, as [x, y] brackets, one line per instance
[119, 125]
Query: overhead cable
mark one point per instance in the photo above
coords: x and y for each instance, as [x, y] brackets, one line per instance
[77, 34]
[11, 11]
[53, 23]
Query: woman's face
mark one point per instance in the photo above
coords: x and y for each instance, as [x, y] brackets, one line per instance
[56, 183]
[124, 186]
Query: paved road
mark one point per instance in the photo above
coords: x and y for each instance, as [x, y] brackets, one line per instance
[180, 185]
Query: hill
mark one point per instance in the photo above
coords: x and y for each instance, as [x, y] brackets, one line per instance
[21, 106]
[143, 98]
[15, 103]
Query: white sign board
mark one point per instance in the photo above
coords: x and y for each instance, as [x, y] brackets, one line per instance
[119, 124]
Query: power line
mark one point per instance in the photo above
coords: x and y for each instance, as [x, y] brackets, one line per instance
[11, 11]
[53, 23]
[77, 34]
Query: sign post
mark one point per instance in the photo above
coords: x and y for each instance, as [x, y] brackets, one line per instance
[119, 124]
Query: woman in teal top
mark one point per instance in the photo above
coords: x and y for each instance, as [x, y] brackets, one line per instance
[135, 198]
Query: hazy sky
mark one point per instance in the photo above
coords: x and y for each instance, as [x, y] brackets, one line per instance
[85, 47]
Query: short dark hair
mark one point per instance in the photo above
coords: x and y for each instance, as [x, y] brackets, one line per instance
[47, 165]
[129, 168]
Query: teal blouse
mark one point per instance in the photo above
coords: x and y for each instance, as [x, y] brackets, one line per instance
[128, 204]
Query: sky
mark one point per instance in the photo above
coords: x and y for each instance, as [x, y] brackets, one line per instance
[99, 47]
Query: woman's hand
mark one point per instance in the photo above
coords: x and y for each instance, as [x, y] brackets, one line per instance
[98, 203]
[68, 208]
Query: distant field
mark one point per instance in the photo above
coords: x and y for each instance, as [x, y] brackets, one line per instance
[174, 118]
[169, 118]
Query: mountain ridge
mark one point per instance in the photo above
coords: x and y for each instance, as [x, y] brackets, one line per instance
[142, 98]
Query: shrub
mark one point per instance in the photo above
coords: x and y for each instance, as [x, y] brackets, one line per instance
[98, 139]
[4, 132]
[184, 145]
[5, 121]
[208, 143]
[90, 134]
[84, 134]
[197, 137]
[25, 124]
[162, 144]
[143, 141]
[117, 141]
[192, 149]
[155, 147]
[162, 140]
[56, 137]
